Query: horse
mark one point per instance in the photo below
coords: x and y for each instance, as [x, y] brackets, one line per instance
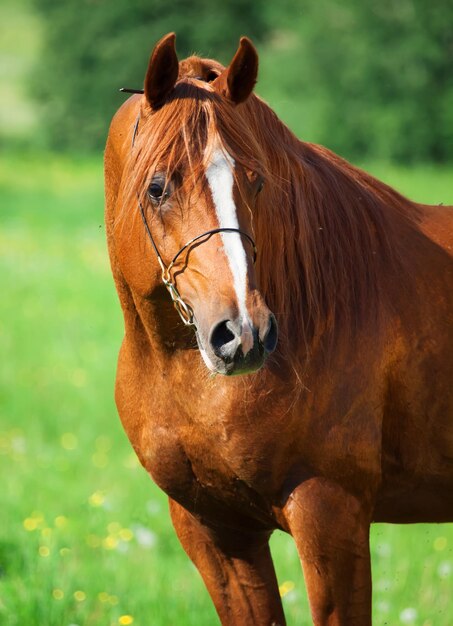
[288, 344]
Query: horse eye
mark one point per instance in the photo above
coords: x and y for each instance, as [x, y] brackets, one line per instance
[260, 185]
[156, 192]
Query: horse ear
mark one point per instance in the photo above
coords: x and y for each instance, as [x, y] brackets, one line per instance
[238, 80]
[162, 71]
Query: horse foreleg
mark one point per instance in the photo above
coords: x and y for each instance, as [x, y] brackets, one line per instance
[237, 570]
[331, 530]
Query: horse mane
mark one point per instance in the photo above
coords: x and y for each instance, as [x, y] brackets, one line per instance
[335, 235]
[328, 234]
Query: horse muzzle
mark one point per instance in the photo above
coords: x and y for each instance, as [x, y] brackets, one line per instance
[236, 345]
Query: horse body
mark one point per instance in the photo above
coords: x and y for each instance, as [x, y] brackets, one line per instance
[343, 426]
[417, 433]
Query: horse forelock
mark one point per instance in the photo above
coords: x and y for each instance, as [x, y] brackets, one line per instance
[325, 230]
[180, 137]
[206, 70]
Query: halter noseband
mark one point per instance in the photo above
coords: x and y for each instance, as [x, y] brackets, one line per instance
[185, 310]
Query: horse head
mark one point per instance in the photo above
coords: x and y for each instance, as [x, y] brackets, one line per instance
[196, 172]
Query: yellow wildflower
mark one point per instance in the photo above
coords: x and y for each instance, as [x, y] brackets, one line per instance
[60, 521]
[69, 441]
[110, 542]
[286, 587]
[97, 498]
[30, 524]
[80, 596]
[33, 522]
[440, 543]
[103, 596]
[126, 534]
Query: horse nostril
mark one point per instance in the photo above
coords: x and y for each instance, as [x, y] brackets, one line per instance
[223, 340]
[270, 337]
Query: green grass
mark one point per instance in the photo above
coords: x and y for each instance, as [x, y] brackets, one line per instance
[85, 536]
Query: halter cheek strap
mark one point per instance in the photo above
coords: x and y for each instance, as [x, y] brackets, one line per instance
[185, 310]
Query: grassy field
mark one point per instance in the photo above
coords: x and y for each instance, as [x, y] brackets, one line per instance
[85, 537]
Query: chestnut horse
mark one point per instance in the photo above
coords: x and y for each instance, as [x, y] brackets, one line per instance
[347, 418]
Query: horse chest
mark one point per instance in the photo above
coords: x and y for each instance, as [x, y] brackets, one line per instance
[213, 446]
[205, 480]
[213, 464]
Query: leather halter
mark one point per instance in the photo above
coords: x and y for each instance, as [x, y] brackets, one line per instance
[185, 310]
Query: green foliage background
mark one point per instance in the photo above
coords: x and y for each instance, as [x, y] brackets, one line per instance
[367, 78]
[374, 76]
[93, 48]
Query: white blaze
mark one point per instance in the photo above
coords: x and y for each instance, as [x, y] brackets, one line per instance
[219, 173]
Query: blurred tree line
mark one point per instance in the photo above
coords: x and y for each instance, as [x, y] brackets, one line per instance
[367, 78]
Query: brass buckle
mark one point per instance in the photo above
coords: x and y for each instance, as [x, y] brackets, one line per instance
[184, 310]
